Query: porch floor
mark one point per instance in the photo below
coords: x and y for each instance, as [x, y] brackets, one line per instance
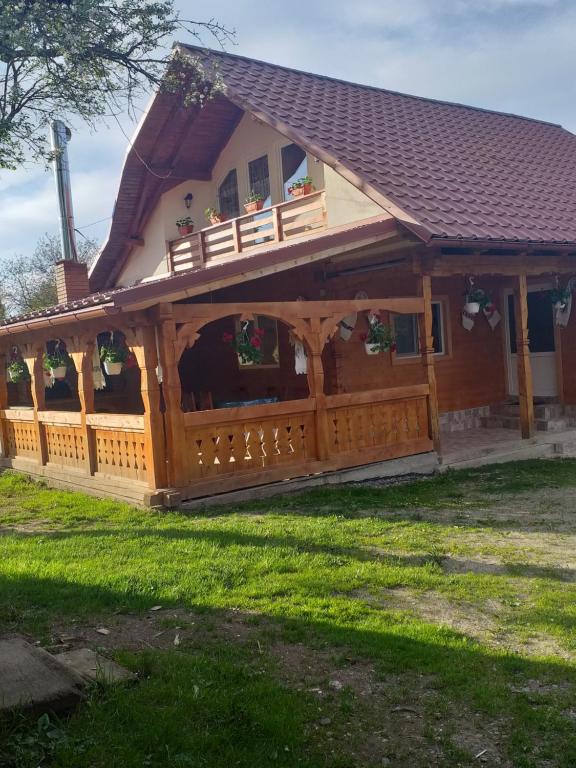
[474, 447]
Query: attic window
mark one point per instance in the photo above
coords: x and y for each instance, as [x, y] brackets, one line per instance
[228, 200]
[294, 166]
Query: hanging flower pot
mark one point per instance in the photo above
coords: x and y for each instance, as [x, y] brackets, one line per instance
[113, 355]
[17, 371]
[475, 300]
[472, 307]
[379, 337]
[560, 298]
[113, 369]
[57, 361]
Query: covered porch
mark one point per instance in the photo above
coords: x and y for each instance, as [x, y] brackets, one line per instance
[151, 438]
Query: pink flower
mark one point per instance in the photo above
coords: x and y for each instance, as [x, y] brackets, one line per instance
[363, 336]
[256, 342]
[227, 337]
[393, 346]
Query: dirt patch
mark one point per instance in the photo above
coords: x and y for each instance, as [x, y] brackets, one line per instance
[360, 715]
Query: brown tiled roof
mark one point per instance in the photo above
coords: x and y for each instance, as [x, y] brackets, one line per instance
[459, 171]
[448, 171]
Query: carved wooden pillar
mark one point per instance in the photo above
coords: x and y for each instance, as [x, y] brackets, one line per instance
[172, 390]
[3, 403]
[316, 387]
[427, 344]
[525, 390]
[154, 437]
[33, 356]
[81, 351]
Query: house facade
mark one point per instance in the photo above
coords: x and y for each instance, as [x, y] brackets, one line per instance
[407, 273]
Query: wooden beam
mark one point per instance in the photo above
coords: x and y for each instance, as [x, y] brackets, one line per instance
[525, 389]
[183, 313]
[510, 265]
[33, 356]
[428, 361]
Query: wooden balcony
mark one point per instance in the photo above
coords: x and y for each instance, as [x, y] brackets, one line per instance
[276, 224]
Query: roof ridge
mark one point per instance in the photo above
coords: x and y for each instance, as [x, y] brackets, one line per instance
[428, 99]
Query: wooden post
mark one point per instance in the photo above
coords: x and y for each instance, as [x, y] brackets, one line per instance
[154, 437]
[82, 352]
[33, 356]
[316, 387]
[525, 389]
[277, 224]
[172, 389]
[3, 404]
[427, 344]
[236, 236]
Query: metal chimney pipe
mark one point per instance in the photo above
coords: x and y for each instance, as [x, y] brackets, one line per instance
[61, 135]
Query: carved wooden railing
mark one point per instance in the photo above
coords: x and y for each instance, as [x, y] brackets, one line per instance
[118, 440]
[284, 221]
[237, 447]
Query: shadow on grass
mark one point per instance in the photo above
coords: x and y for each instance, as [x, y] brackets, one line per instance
[219, 707]
[230, 539]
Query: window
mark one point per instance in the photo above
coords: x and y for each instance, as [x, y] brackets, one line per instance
[271, 357]
[407, 336]
[294, 166]
[228, 196]
[259, 178]
[407, 333]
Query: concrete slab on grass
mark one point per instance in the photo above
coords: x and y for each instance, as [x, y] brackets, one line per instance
[30, 678]
[94, 668]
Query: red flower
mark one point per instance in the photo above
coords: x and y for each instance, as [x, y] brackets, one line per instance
[227, 337]
[259, 331]
[393, 346]
[256, 342]
[363, 336]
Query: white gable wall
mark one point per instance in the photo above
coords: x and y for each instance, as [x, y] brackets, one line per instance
[251, 139]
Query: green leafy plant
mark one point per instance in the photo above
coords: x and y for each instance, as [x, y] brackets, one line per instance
[301, 182]
[247, 344]
[185, 221]
[478, 296]
[253, 197]
[379, 335]
[18, 370]
[58, 358]
[212, 214]
[560, 295]
[113, 352]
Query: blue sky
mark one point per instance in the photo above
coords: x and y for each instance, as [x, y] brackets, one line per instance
[512, 55]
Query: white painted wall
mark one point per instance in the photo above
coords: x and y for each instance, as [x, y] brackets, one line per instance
[250, 140]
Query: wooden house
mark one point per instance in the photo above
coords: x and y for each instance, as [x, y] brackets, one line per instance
[411, 212]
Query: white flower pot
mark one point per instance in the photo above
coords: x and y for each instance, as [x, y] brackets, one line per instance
[561, 305]
[472, 307]
[371, 349]
[112, 369]
[59, 372]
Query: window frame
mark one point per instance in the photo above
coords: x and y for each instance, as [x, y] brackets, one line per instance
[407, 358]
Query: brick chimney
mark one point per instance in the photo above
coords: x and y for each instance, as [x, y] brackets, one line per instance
[71, 281]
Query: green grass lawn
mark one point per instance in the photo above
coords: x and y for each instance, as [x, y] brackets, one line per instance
[414, 625]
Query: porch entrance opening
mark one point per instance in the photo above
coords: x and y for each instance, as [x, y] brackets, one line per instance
[542, 344]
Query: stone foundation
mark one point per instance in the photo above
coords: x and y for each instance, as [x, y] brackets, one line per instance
[469, 418]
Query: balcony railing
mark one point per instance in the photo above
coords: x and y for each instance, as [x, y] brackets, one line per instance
[284, 221]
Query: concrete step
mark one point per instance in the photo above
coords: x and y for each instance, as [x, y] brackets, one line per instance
[543, 411]
[513, 422]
